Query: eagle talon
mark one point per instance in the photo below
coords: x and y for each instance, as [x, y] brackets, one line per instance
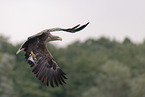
[33, 54]
[30, 54]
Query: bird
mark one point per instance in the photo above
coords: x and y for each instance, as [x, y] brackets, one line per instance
[40, 59]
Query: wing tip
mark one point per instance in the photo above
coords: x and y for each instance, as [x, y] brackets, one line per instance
[76, 28]
[53, 79]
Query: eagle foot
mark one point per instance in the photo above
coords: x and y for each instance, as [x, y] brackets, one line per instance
[32, 54]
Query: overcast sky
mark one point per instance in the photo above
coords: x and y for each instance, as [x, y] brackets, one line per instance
[115, 19]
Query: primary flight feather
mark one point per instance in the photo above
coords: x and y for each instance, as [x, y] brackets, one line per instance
[40, 59]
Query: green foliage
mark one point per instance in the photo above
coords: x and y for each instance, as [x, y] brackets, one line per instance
[114, 79]
[94, 68]
[6, 74]
[138, 86]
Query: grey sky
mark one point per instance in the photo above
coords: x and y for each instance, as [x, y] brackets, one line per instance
[117, 19]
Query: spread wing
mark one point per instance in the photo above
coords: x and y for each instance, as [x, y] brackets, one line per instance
[42, 62]
[40, 59]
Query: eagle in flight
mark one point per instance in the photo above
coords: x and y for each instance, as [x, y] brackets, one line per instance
[40, 59]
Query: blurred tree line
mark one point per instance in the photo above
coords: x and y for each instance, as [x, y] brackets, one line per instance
[95, 68]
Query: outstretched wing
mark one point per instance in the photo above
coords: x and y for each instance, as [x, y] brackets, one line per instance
[71, 30]
[42, 62]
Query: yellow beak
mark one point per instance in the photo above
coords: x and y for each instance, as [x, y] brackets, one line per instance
[60, 38]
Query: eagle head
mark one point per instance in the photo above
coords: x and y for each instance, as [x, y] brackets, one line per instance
[53, 38]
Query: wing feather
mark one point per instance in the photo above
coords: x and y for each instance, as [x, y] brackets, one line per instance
[44, 66]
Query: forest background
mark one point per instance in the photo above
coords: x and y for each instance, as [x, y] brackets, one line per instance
[95, 68]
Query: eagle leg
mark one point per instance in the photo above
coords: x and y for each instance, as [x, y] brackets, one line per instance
[32, 54]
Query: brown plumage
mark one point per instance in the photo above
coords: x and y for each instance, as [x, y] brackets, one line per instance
[40, 59]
